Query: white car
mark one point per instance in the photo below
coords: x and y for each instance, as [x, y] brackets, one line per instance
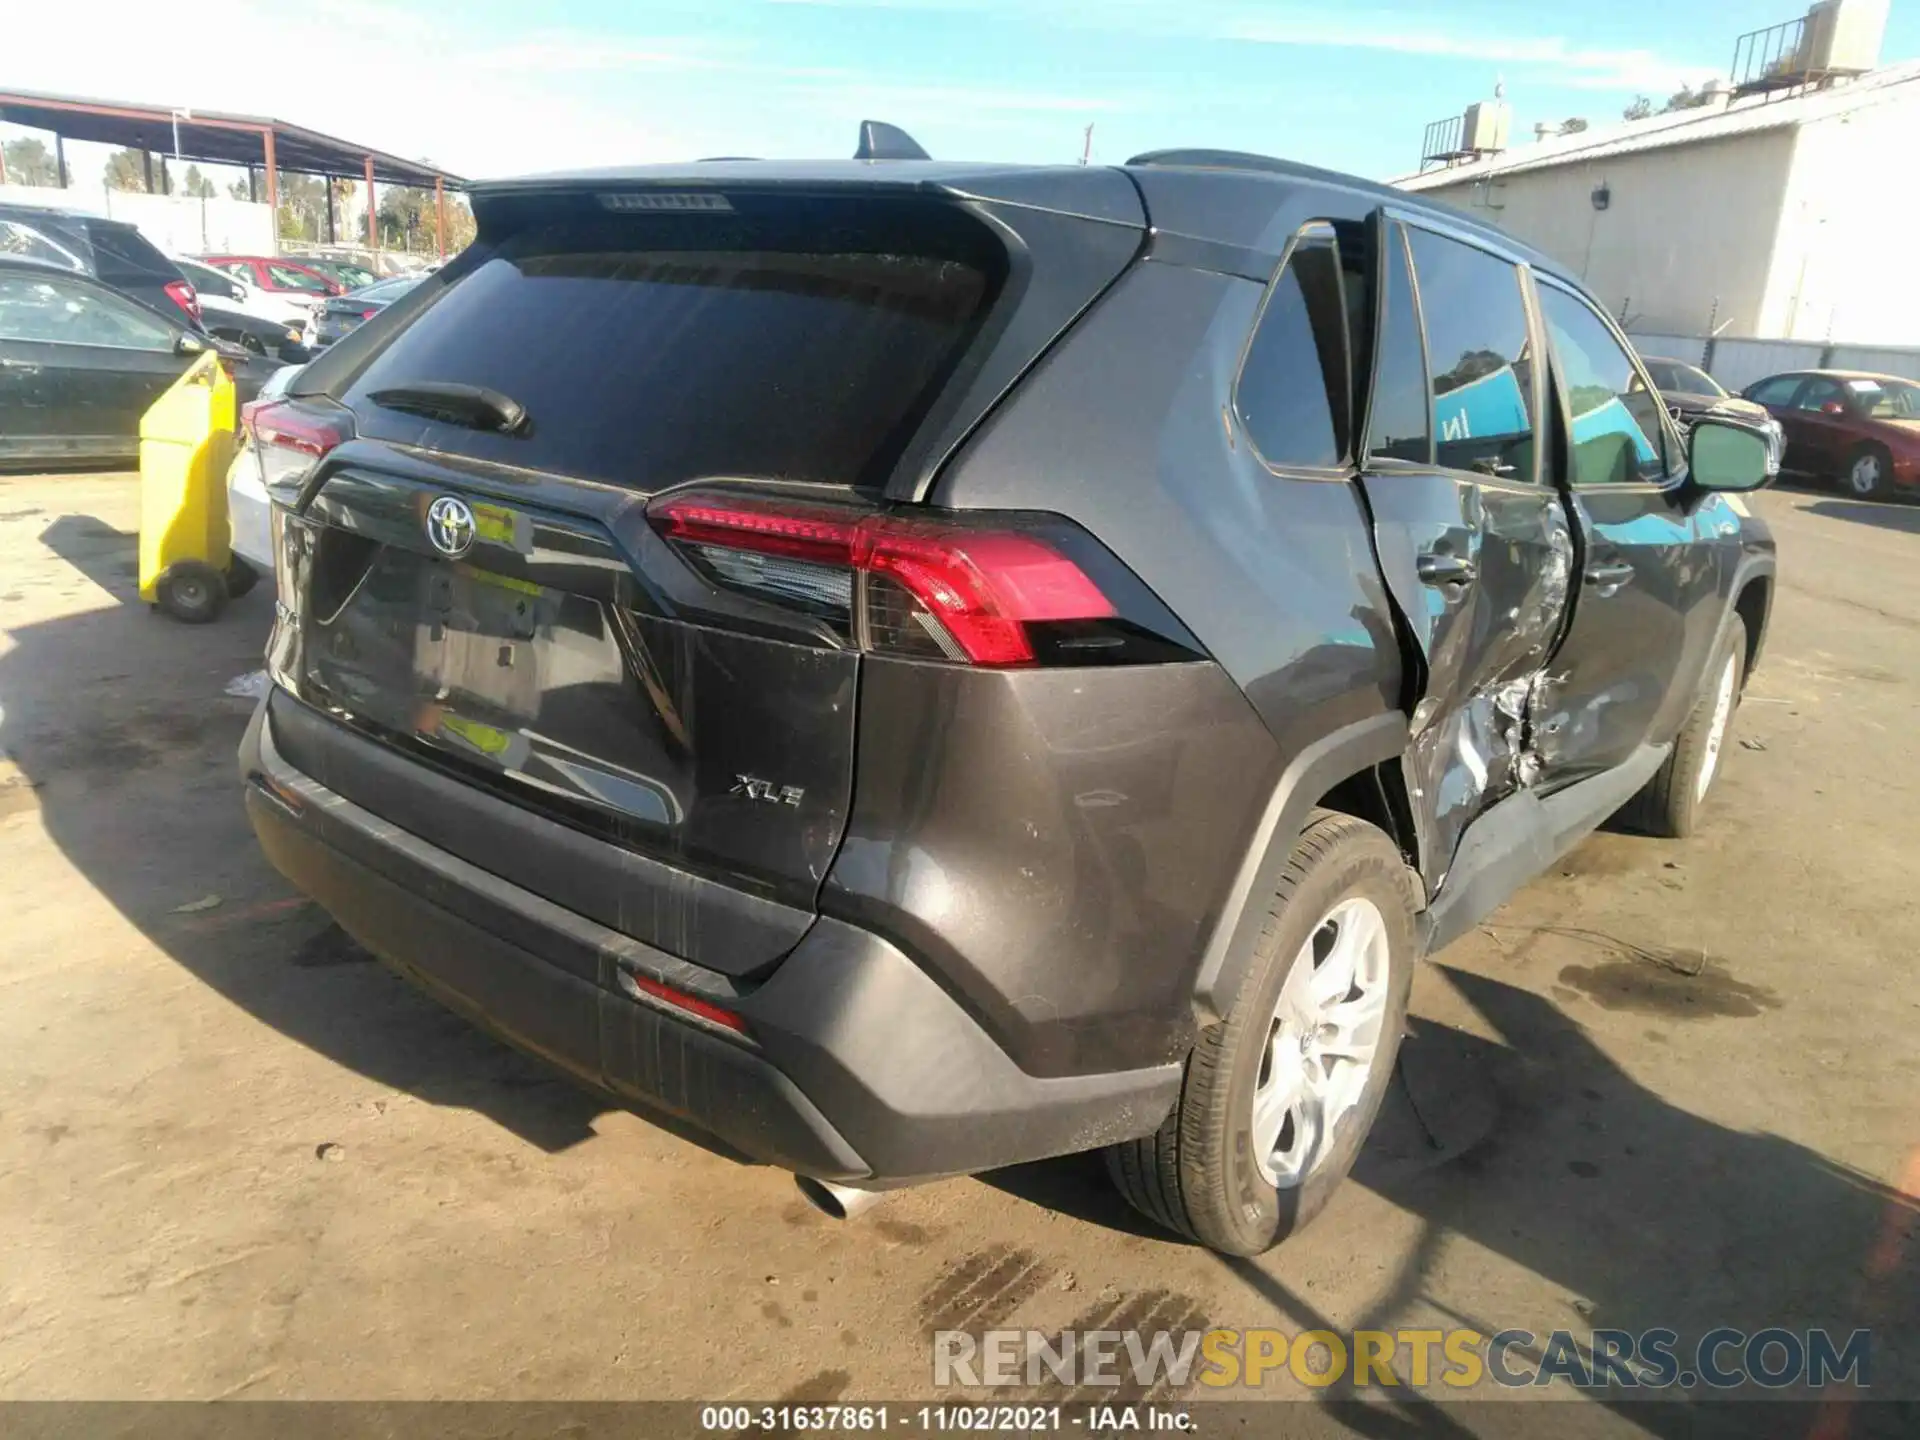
[284, 307]
[249, 508]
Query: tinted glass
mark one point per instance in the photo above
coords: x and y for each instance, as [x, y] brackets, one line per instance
[1819, 393]
[644, 362]
[1292, 393]
[28, 242]
[1477, 357]
[1690, 380]
[67, 312]
[1617, 435]
[1886, 399]
[1397, 422]
[288, 278]
[387, 291]
[1776, 391]
[207, 280]
[121, 253]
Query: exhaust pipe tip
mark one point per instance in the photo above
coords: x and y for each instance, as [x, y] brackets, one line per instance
[837, 1202]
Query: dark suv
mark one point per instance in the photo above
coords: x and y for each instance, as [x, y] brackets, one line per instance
[914, 667]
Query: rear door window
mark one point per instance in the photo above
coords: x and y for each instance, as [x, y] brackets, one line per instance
[1293, 389]
[1397, 419]
[802, 342]
[1477, 357]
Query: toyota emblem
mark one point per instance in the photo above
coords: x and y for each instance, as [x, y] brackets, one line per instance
[450, 526]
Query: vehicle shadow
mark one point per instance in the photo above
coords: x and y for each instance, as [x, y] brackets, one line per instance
[116, 721]
[1540, 1149]
[106, 556]
[1886, 515]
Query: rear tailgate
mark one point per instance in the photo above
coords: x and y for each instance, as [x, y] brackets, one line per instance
[490, 602]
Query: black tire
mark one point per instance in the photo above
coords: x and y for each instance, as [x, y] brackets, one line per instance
[241, 577]
[193, 593]
[1670, 805]
[1198, 1174]
[1867, 472]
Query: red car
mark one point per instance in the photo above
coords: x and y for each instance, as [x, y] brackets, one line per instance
[277, 275]
[1847, 425]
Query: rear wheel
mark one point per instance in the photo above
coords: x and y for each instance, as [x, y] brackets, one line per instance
[193, 593]
[1279, 1096]
[1670, 805]
[1868, 471]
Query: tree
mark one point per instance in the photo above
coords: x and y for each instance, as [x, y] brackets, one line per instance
[195, 184]
[1572, 126]
[1640, 109]
[126, 170]
[29, 163]
[1687, 98]
[239, 190]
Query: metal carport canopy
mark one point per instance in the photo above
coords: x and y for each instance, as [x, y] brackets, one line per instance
[214, 137]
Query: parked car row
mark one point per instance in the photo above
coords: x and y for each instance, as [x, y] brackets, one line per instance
[1852, 427]
[95, 321]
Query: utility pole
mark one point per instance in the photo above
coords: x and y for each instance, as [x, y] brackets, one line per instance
[1086, 146]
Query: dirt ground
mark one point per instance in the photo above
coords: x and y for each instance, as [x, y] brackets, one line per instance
[1670, 1084]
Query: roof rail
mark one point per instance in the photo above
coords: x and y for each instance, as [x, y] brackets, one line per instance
[881, 141]
[1217, 160]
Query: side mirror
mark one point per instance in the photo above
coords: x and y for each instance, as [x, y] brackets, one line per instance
[241, 290]
[1725, 456]
[189, 345]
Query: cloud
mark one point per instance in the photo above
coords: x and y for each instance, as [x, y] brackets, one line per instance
[1568, 63]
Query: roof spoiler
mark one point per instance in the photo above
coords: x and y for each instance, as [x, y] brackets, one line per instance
[881, 141]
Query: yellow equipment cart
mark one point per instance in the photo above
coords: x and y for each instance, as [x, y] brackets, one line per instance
[186, 445]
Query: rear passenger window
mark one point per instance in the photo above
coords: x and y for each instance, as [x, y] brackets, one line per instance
[1616, 420]
[1777, 391]
[1397, 422]
[1293, 389]
[1477, 357]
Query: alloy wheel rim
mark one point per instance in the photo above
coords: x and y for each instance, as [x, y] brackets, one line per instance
[1321, 1042]
[1717, 730]
[1866, 474]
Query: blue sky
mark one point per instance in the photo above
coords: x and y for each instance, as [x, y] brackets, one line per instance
[612, 81]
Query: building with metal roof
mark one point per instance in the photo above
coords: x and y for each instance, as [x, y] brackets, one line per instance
[1779, 206]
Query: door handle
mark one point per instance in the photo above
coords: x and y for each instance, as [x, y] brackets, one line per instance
[1609, 578]
[1436, 567]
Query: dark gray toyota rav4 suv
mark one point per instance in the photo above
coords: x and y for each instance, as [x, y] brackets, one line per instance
[912, 667]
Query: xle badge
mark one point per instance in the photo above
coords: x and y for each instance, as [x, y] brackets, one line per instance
[766, 791]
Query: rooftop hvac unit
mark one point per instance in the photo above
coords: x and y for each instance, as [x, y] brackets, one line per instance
[1484, 126]
[1842, 37]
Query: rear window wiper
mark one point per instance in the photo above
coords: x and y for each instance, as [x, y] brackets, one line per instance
[473, 406]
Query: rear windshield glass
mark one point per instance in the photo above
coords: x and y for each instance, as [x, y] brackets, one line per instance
[804, 343]
[125, 254]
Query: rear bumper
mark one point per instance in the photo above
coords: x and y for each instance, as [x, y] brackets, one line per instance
[860, 1068]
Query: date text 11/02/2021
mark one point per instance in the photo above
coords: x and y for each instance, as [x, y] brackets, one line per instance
[940, 1419]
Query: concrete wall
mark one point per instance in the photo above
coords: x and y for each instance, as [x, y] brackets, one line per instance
[1843, 265]
[178, 224]
[1683, 226]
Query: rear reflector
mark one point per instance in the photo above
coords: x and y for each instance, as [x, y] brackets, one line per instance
[944, 589]
[680, 1000]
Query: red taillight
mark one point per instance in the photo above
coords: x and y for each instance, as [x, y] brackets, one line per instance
[972, 591]
[275, 422]
[182, 294]
[680, 1000]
